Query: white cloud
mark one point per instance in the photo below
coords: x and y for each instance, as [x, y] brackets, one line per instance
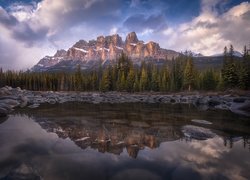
[54, 24]
[22, 11]
[32, 31]
[210, 31]
[113, 30]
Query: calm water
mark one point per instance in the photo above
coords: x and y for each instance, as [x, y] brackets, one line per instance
[126, 141]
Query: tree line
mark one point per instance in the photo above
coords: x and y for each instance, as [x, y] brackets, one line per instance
[180, 75]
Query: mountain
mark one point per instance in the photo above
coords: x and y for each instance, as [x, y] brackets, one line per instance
[214, 61]
[103, 50]
[235, 53]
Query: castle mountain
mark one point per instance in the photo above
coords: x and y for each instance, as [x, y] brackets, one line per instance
[104, 50]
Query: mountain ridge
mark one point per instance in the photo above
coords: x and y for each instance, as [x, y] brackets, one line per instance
[104, 48]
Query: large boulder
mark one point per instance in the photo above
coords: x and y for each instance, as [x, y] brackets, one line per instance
[22, 172]
[196, 132]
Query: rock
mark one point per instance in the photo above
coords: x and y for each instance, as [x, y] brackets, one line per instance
[22, 172]
[104, 48]
[6, 106]
[34, 106]
[222, 107]
[172, 100]
[5, 91]
[239, 100]
[131, 38]
[199, 133]
[214, 102]
[24, 101]
[8, 97]
[201, 101]
[19, 89]
[201, 121]
[11, 102]
[241, 108]
[96, 98]
[51, 101]
[3, 112]
[9, 88]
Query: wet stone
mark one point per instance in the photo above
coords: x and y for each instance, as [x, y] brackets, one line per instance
[196, 132]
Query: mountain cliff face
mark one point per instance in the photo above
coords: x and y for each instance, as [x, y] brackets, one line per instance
[103, 49]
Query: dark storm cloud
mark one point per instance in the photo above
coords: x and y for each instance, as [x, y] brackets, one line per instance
[141, 22]
[205, 24]
[95, 12]
[21, 30]
[24, 33]
[6, 19]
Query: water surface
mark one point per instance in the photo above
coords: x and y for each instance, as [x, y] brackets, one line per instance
[125, 141]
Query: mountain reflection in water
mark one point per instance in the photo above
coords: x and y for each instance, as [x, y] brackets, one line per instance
[125, 141]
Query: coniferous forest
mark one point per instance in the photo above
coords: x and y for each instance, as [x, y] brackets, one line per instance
[123, 75]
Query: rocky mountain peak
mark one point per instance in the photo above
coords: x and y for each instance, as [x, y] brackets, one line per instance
[132, 38]
[60, 53]
[105, 48]
[80, 44]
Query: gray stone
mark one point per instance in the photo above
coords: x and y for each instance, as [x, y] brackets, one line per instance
[11, 102]
[51, 101]
[23, 171]
[3, 112]
[200, 121]
[199, 133]
[214, 102]
[34, 106]
[239, 100]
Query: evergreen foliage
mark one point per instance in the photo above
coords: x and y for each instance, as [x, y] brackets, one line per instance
[122, 75]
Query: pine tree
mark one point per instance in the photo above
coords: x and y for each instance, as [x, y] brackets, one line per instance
[143, 80]
[155, 79]
[189, 74]
[231, 53]
[105, 84]
[136, 86]
[242, 77]
[209, 81]
[229, 70]
[130, 80]
[78, 78]
[177, 74]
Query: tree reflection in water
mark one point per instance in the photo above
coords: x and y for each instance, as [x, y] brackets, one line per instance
[126, 141]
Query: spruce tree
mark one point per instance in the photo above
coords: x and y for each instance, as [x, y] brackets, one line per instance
[155, 79]
[130, 80]
[143, 80]
[189, 74]
[106, 80]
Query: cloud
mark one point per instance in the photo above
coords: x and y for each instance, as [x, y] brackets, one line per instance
[51, 24]
[38, 28]
[15, 55]
[6, 19]
[19, 30]
[211, 31]
[142, 22]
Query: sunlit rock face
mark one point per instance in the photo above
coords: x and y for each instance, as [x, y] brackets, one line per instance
[107, 48]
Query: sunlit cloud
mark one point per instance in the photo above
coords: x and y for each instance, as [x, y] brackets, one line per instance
[210, 31]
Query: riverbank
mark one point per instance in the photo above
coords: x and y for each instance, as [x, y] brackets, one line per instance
[11, 98]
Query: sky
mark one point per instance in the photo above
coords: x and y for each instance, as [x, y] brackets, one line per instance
[31, 29]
